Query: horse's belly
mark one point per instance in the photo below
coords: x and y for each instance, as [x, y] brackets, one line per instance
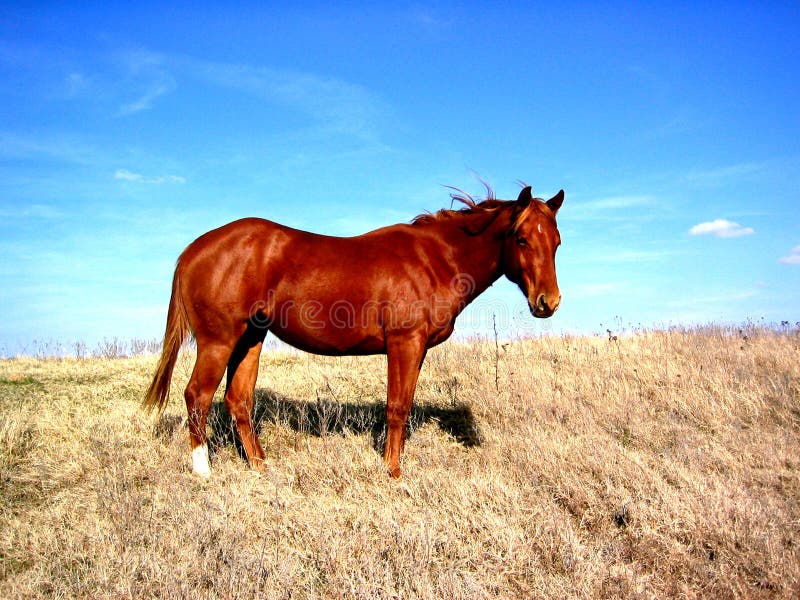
[330, 340]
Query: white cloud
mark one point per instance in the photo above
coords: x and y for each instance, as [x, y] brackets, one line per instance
[724, 175]
[62, 148]
[33, 211]
[146, 99]
[724, 298]
[793, 258]
[624, 208]
[145, 77]
[721, 228]
[125, 175]
[341, 106]
[76, 83]
[167, 179]
[618, 202]
[621, 255]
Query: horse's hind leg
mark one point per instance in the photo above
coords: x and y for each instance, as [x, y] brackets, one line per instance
[208, 370]
[242, 375]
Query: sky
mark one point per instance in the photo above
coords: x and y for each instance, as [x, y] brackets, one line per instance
[674, 129]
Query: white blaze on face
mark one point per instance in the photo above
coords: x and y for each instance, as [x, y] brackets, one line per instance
[200, 461]
[539, 228]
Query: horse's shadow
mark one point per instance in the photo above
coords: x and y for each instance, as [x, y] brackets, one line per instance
[328, 417]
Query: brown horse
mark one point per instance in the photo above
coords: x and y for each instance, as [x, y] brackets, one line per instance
[395, 291]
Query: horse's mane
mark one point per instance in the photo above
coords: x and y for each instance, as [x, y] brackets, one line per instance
[490, 204]
[472, 206]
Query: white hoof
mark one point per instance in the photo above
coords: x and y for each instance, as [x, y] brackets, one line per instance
[200, 464]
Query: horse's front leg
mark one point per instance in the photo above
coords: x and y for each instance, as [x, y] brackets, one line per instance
[405, 355]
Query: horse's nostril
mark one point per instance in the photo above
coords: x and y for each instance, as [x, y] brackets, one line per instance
[541, 303]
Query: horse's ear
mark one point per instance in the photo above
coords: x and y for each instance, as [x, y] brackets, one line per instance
[525, 196]
[556, 201]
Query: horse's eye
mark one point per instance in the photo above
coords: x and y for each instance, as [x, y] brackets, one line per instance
[522, 241]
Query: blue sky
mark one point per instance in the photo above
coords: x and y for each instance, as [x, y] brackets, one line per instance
[127, 132]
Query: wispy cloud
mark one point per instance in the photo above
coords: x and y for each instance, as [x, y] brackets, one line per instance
[75, 84]
[676, 125]
[614, 208]
[146, 77]
[429, 20]
[618, 202]
[145, 101]
[32, 211]
[793, 258]
[341, 106]
[126, 175]
[723, 175]
[721, 228]
[625, 256]
[731, 298]
[63, 148]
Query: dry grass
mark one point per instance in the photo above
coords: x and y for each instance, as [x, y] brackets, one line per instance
[660, 464]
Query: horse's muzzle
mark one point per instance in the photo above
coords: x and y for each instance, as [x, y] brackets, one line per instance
[545, 307]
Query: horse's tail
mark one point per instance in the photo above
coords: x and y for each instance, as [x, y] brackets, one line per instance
[174, 336]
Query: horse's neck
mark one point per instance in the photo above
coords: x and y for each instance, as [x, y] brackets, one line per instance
[478, 254]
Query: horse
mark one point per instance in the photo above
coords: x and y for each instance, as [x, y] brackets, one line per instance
[396, 291]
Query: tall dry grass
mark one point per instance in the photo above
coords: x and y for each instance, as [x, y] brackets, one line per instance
[659, 464]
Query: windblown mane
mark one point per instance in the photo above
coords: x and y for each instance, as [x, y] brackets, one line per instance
[488, 204]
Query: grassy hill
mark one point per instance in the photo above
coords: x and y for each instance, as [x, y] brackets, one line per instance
[656, 464]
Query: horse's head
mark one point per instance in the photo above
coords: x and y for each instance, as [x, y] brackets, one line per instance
[530, 251]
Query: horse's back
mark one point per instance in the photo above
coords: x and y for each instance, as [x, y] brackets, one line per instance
[257, 268]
